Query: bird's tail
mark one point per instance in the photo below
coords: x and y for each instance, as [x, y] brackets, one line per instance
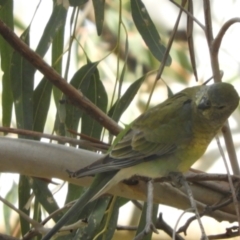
[99, 183]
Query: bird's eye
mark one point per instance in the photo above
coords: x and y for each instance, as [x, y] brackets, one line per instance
[204, 104]
[208, 103]
[220, 107]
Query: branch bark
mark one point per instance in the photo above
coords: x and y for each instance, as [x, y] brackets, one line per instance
[46, 160]
[75, 96]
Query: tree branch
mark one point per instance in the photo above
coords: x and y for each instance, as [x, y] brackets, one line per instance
[75, 96]
[46, 160]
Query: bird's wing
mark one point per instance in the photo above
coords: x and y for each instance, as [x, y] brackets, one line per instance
[151, 136]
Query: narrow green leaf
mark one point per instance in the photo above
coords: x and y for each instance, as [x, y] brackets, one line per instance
[94, 220]
[76, 3]
[110, 222]
[53, 30]
[22, 87]
[45, 197]
[121, 105]
[23, 197]
[97, 94]
[124, 67]
[74, 192]
[98, 6]
[81, 80]
[3, 2]
[6, 15]
[84, 74]
[122, 201]
[57, 51]
[22, 90]
[59, 127]
[56, 21]
[169, 90]
[148, 30]
[37, 211]
[37, 215]
[11, 197]
[41, 103]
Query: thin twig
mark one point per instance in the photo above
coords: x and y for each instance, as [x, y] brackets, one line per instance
[178, 220]
[34, 223]
[166, 54]
[149, 226]
[82, 143]
[190, 39]
[230, 148]
[194, 207]
[230, 233]
[137, 204]
[6, 237]
[162, 225]
[235, 201]
[189, 14]
[75, 96]
[128, 228]
[213, 49]
[197, 177]
[208, 21]
[218, 40]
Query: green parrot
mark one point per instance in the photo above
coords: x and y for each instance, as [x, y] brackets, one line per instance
[167, 138]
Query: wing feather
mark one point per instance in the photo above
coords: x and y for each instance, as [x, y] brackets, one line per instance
[151, 136]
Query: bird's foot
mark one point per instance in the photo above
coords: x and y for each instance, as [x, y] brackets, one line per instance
[176, 178]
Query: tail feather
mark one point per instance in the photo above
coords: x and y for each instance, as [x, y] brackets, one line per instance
[97, 188]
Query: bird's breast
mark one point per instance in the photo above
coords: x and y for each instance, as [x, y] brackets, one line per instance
[190, 152]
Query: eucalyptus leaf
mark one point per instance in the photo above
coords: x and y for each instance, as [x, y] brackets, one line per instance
[3, 2]
[76, 3]
[99, 14]
[55, 22]
[6, 15]
[122, 104]
[57, 51]
[22, 87]
[11, 196]
[97, 94]
[45, 197]
[41, 103]
[87, 80]
[23, 198]
[148, 30]
[109, 222]
[94, 220]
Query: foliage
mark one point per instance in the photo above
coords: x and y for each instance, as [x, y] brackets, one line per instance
[126, 46]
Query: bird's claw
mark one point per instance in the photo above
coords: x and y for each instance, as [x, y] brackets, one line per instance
[71, 174]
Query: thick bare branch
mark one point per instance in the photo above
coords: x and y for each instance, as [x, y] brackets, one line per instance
[46, 160]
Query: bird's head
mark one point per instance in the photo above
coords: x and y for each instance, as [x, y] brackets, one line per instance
[216, 102]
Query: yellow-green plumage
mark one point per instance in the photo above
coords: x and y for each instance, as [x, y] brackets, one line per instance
[167, 138]
[177, 130]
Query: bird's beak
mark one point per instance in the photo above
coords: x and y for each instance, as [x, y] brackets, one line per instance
[204, 103]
